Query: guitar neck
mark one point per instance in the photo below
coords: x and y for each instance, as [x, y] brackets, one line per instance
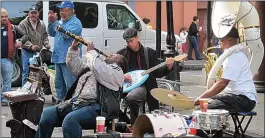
[154, 68]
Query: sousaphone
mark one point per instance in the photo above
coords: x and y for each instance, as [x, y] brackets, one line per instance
[225, 15]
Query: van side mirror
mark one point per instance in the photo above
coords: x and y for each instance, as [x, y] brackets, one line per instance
[138, 26]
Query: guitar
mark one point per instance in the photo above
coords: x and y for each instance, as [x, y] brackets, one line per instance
[140, 76]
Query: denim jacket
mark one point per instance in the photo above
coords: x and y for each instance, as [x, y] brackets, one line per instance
[61, 41]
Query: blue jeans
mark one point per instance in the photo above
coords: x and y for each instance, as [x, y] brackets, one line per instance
[73, 123]
[6, 72]
[193, 44]
[64, 79]
[26, 55]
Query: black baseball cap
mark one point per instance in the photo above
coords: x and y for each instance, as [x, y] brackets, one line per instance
[129, 33]
[233, 33]
[32, 9]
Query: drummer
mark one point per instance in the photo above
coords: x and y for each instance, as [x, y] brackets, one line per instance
[134, 52]
[235, 91]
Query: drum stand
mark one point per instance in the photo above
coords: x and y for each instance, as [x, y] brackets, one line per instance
[210, 135]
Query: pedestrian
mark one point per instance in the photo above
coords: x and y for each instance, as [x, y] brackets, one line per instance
[10, 41]
[35, 29]
[147, 21]
[183, 36]
[193, 38]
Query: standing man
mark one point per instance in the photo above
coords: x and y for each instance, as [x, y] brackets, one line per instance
[69, 22]
[35, 29]
[9, 34]
[193, 38]
[137, 60]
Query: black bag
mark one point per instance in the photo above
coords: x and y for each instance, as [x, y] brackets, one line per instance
[109, 101]
[63, 109]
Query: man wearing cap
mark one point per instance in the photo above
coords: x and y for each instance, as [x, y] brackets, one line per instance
[35, 29]
[235, 91]
[69, 22]
[135, 55]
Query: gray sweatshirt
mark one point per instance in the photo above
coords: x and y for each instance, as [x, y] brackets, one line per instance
[109, 75]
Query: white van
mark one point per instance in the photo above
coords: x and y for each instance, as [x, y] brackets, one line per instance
[103, 22]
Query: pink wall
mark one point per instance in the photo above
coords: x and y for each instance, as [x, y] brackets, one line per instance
[182, 13]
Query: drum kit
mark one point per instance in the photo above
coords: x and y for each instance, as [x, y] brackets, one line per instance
[161, 124]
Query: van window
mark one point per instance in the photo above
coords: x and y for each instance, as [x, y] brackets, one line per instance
[87, 13]
[119, 17]
[18, 10]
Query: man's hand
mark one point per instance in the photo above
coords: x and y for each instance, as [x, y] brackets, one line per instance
[90, 45]
[197, 102]
[170, 63]
[200, 28]
[18, 44]
[127, 78]
[35, 47]
[52, 17]
[74, 45]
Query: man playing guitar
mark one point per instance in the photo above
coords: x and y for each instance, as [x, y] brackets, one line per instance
[136, 57]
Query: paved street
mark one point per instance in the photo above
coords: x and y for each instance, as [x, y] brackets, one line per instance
[255, 129]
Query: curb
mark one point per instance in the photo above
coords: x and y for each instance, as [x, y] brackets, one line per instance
[247, 134]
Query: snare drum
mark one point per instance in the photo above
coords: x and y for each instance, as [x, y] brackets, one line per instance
[213, 119]
[160, 124]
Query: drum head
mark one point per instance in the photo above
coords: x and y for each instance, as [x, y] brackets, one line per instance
[159, 125]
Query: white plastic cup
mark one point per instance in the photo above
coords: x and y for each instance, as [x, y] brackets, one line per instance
[100, 124]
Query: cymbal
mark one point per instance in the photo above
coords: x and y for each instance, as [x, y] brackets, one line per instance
[172, 98]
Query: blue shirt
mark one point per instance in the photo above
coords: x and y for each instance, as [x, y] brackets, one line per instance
[61, 41]
[4, 43]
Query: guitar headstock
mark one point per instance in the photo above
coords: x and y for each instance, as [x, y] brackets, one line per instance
[180, 57]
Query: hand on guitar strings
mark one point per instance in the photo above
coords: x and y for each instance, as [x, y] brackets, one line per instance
[127, 78]
[90, 45]
[170, 63]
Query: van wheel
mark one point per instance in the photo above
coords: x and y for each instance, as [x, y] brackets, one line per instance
[17, 75]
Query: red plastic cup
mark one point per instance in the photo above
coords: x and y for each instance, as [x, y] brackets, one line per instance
[204, 104]
[193, 131]
[100, 124]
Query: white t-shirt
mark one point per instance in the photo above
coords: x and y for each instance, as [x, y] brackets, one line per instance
[236, 69]
[183, 37]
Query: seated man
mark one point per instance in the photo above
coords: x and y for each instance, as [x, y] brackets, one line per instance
[83, 95]
[140, 57]
[235, 91]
